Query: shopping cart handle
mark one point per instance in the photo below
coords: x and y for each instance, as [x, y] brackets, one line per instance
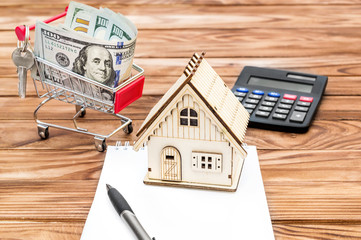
[20, 30]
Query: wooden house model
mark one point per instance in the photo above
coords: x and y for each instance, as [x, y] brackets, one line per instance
[195, 132]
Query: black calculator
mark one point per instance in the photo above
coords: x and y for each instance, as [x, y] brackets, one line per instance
[279, 100]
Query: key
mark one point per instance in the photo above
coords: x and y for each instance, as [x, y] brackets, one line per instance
[23, 61]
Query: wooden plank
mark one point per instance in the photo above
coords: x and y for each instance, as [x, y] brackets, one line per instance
[310, 165]
[333, 65]
[38, 200]
[249, 42]
[295, 181]
[245, 42]
[323, 135]
[314, 201]
[51, 165]
[33, 230]
[97, 3]
[343, 71]
[24, 135]
[18, 108]
[276, 165]
[15, 108]
[72, 230]
[325, 193]
[218, 17]
[280, 165]
[71, 200]
[158, 84]
[316, 231]
[339, 108]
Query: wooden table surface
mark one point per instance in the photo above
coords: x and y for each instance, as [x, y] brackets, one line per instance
[312, 180]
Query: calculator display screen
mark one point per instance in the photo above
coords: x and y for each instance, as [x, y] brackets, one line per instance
[292, 86]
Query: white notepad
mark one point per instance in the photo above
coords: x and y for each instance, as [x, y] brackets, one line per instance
[169, 213]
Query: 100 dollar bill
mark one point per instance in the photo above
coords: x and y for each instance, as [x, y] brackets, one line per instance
[100, 24]
[102, 61]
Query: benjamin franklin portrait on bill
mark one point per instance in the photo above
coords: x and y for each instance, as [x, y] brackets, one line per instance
[96, 63]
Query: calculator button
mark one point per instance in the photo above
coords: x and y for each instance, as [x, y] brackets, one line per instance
[269, 104]
[290, 96]
[252, 101]
[258, 92]
[264, 108]
[240, 99]
[240, 94]
[249, 110]
[306, 99]
[262, 114]
[301, 109]
[271, 99]
[284, 106]
[298, 116]
[243, 90]
[279, 116]
[274, 94]
[250, 106]
[282, 111]
[303, 104]
[255, 96]
[287, 101]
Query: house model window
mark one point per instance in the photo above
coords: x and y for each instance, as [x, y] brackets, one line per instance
[189, 117]
[209, 162]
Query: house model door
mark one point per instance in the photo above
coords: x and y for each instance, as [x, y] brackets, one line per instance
[171, 164]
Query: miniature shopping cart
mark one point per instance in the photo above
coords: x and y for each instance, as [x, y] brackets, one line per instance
[66, 86]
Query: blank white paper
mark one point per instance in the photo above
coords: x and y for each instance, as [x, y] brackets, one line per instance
[172, 213]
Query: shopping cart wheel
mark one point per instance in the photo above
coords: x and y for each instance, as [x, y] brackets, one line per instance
[82, 114]
[43, 131]
[128, 129]
[100, 144]
[78, 108]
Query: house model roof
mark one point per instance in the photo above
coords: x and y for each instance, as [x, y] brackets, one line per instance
[215, 94]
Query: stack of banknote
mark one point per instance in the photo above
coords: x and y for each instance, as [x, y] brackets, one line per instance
[96, 43]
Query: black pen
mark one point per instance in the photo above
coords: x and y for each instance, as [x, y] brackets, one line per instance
[125, 212]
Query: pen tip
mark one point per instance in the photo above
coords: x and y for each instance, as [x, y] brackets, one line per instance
[109, 187]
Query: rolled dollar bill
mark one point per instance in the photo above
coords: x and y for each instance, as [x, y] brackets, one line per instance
[100, 24]
[79, 18]
[119, 28]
